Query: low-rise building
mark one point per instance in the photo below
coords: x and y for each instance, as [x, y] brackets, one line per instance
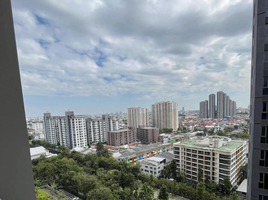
[217, 157]
[144, 151]
[36, 152]
[153, 166]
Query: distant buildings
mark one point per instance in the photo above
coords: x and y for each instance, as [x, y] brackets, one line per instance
[121, 137]
[97, 129]
[165, 115]
[137, 116]
[225, 107]
[217, 157]
[211, 108]
[76, 130]
[203, 109]
[147, 135]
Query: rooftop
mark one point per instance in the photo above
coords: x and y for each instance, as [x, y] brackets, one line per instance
[142, 148]
[217, 143]
[243, 186]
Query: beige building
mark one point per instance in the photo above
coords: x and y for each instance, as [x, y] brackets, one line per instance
[165, 115]
[217, 157]
[137, 116]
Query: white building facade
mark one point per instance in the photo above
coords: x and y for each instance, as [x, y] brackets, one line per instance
[217, 157]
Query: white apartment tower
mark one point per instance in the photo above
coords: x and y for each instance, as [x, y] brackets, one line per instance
[137, 116]
[68, 130]
[165, 115]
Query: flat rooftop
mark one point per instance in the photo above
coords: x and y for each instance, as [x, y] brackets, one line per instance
[140, 149]
[197, 143]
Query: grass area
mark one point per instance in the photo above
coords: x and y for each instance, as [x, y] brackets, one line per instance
[41, 195]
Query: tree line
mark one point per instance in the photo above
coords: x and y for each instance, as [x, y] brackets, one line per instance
[100, 176]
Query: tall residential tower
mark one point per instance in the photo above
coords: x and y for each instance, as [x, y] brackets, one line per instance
[258, 139]
[211, 109]
[165, 115]
[203, 109]
[137, 116]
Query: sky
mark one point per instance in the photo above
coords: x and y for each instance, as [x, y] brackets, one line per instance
[103, 56]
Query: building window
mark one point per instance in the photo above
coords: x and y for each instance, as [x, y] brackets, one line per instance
[264, 138]
[263, 181]
[264, 158]
[262, 197]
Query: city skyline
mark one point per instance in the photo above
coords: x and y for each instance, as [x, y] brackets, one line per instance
[95, 59]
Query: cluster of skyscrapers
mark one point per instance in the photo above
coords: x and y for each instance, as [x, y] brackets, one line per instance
[225, 106]
[164, 115]
[77, 130]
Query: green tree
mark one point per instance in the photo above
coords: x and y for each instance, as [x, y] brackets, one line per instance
[102, 193]
[173, 169]
[211, 187]
[200, 190]
[146, 192]
[207, 179]
[101, 151]
[200, 175]
[235, 127]
[227, 186]
[163, 194]
[234, 196]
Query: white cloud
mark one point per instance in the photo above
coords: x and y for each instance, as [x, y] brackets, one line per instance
[179, 49]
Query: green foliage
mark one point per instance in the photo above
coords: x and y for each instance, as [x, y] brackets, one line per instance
[200, 175]
[102, 152]
[163, 194]
[146, 192]
[234, 196]
[242, 135]
[227, 186]
[221, 133]
[30, 136]
[211, 187]
[165, 130]
[235, 127]
[200, 190]
[95, 177]
[102, 193]
[41, 195]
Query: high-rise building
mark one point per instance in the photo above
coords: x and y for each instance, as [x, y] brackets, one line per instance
[258, 137]
[121, 137]
[165, 115]
[211, 109]
[227, 106]
[68, 130]
[203, 109]
[137, 116]
[217, 157]
[97, 129]
[76, 130]
[220, 104]
[55, 129]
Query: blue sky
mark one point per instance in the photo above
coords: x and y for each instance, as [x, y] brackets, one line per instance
[103, 56]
